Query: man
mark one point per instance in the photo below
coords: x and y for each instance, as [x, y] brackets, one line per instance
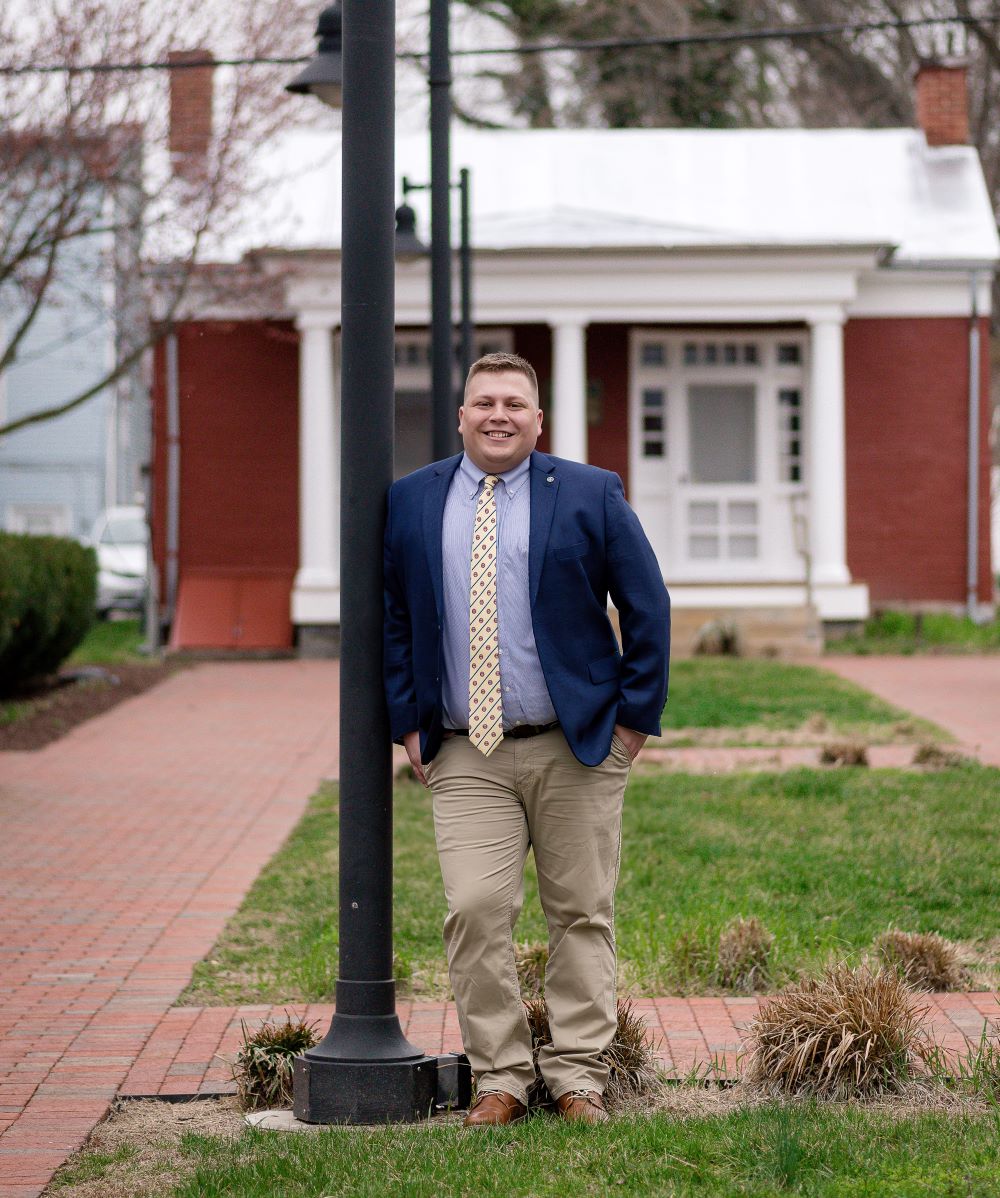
[506, 686]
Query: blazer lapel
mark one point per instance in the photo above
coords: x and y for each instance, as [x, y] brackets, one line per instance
[544, 486]
[433, 522]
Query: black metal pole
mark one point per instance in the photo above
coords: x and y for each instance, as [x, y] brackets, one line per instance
[465, 272]
[365, 1070]
[444, 436]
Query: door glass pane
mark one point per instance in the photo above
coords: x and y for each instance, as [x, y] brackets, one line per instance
[703, 547]
[722, 428]
[742, 511]
[743, 546]
[703, 515]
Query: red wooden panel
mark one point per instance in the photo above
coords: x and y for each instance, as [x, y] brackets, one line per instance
[206, 615]
[233, 610]
[264, 613]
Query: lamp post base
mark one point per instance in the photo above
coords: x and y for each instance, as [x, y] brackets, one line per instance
[330, 1091]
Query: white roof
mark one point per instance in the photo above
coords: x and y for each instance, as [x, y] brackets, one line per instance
[662, 188]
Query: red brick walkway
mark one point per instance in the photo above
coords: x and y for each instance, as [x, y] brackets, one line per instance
[126, 847]
[190, 1051]
[960, 693]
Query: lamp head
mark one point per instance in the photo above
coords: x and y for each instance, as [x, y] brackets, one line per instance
[408, 244]
[323, 75]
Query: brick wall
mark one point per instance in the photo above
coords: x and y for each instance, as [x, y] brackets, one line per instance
[239, 421]
[906, 383]
[607, 373]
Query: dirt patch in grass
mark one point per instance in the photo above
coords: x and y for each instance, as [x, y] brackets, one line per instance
[51, 708]
[136, 1152]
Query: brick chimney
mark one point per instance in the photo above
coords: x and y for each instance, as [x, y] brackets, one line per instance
[190, 112]
[943, 102]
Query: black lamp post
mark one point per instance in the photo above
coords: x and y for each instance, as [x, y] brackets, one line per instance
[365, 1070]
[444, 439]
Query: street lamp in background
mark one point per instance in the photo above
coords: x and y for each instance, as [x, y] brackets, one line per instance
[364, 1070]
[406, 239]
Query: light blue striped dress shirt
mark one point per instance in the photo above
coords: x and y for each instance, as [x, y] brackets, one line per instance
[525, 695]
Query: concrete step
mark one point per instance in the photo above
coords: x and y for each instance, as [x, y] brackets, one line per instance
[785, 632]
[757, 631]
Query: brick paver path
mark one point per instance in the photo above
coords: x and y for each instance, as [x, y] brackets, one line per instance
[126, 846]
[192, 1048]
[960, 693]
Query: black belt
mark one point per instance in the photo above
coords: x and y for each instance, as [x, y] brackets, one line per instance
[518, 732]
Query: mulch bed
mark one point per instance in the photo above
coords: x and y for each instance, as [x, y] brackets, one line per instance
[60, 703]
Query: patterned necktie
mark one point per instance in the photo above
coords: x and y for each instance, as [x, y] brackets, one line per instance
[485, 699]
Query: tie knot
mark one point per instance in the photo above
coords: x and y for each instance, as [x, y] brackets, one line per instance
[490, 481]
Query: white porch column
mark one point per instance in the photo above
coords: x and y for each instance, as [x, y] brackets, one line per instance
[316, 593]
[827, 478]
[569, 390]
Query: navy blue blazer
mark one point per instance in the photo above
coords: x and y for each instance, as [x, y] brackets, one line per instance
[585, 544]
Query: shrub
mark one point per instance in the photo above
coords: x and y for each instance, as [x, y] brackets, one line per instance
[631, 1056]
[744, 951]
[926, 960]
[851, 1033]
[263, 1066]
[48, 592]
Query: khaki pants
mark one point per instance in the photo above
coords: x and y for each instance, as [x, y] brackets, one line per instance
[487, 812]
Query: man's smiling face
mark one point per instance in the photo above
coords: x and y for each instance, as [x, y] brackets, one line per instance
[500, 420]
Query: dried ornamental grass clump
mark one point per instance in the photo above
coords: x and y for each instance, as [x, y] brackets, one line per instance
[936, 757]
[631, 1056]
[744, 955]
[925, 959]
[530, 961]
[262, 1069]
[851, 1033]
[847, 752]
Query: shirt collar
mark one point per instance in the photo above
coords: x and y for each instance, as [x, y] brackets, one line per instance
[472, 476]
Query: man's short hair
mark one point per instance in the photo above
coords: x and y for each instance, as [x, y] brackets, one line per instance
[499, 362]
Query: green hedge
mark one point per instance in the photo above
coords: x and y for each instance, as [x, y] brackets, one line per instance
[48, 594]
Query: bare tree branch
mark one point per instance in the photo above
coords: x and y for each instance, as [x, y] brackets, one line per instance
[86, 176]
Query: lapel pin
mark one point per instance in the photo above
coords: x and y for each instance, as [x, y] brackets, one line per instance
[550, 479]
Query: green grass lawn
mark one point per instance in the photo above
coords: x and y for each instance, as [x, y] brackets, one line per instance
[803, 1148]
[826, 859]
[756, 699]
[109, 643]
[908, 632]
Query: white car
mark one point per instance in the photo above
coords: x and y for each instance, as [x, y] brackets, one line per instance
[121, 537]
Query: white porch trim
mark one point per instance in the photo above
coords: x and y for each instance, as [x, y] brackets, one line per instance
[827, 480]
[832, 602]
[316, 591]
[569, 389]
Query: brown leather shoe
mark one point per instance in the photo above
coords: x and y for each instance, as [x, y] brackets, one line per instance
[494, 1109]
[583, 1106]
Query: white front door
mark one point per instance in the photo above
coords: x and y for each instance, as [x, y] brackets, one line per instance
[717, 451]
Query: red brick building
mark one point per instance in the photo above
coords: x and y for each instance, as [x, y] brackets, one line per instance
[766, 333]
